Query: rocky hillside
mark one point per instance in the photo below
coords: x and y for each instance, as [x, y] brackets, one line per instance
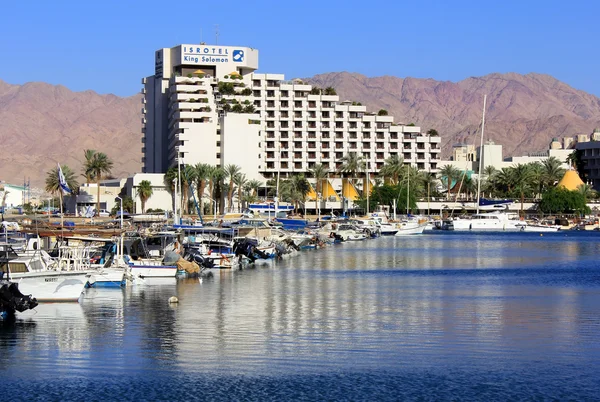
[42, 124]
[524, 112]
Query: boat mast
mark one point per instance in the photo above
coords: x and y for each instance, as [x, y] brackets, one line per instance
[408, 190]
[481, 154]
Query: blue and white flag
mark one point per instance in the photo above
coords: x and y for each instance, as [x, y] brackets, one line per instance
[62, 182]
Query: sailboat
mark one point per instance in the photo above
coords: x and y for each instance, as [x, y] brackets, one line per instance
[409, 226]
[490, 221]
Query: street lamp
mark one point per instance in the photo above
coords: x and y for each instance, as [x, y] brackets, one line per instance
[319, 206]
[206, 196]
[121, 242]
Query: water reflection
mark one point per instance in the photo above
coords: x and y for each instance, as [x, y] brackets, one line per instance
[475, 303]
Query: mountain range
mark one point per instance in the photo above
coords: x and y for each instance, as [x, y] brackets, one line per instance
[42, 124]
[524, 112]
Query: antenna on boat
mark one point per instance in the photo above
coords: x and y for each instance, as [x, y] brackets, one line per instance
[481, 154]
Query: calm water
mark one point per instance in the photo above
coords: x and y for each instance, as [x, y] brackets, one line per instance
[437, 317]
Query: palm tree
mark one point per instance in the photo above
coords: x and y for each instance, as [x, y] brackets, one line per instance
[587, 191]
[218, 176]
[319, 172]
[240, 180]
[53, 185]
[505, 179]
[450, 173]
[330, 91]
[144, 191]
[432, 132]
[87, 171]
[201, 175]
[188, 177]
[295, 189]
[171, 176]
[428, 181]
[553, 171]
[538, 182]
[254, 185]
[100, 165]
[230, 171]
[522, 175]
[352, 164]
[392, 168]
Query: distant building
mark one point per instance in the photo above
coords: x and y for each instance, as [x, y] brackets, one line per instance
[207, 104]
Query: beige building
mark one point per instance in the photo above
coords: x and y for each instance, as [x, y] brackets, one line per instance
[206, 104]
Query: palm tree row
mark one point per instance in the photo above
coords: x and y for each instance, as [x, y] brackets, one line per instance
[222, 184]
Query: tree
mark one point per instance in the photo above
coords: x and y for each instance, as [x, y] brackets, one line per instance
[576, 161]
[382, 112]
[432, 132]
[217, 186]
[144, 191]
[392, 168]
[587, 191]
[319, 172]
[552, 171]
[201, 175]
[352, 164]
[87, 170]
[522, 175]
[53, 185]
[240, 180]
[127, 206]
[330, 91]
[561, 200]
[100, 165]
[315, 91]
[231, 171]
[295, 189]
[450, 173]
[254, 185]
[171, 176]
[188, 177]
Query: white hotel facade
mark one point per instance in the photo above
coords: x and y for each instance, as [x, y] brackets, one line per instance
[278, 125]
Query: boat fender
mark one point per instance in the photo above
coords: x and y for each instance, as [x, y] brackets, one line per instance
[470, 226]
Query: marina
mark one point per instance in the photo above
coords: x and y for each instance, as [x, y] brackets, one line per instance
[386, 318]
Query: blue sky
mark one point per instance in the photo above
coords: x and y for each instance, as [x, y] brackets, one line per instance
[108, 46]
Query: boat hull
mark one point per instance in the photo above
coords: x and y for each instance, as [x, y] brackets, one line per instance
[153, 271]
[52, 286]
[107, 278]
[410, 231]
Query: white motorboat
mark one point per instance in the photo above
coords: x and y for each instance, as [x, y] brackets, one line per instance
[406, 228]
[347, 232]
[492, 221]
[538, 227]
[34, 278]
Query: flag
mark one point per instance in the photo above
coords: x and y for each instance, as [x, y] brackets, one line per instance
[62, 182]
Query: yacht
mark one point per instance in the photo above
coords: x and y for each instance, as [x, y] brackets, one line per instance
[489, 221]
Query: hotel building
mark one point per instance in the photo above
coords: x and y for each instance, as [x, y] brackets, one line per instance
[206, 104]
